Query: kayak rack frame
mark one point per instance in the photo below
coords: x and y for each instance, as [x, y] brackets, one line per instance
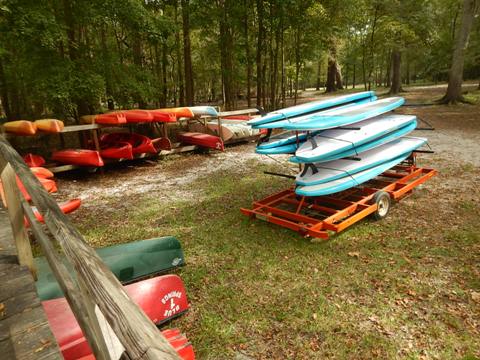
[322, 216]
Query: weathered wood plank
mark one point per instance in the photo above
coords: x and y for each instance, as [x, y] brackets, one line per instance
[135, 331]
[15, 214]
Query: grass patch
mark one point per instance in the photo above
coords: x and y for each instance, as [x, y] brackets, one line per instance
[265, 291]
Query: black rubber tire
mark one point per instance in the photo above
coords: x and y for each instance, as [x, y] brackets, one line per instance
[383, 201]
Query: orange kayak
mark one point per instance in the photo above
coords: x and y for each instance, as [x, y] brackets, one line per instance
[41, 172]
[179, 112]
[113, 118]
[49, 125]
[20, 127]
[48, 184]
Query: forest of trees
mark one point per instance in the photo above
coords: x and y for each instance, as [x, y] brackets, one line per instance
[67, 58]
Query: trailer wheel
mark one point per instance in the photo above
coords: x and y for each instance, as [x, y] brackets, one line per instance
[383, 201]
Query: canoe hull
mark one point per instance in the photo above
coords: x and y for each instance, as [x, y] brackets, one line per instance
[129, 262]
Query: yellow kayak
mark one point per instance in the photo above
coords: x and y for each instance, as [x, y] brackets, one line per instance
[49, 125]
[20, 127]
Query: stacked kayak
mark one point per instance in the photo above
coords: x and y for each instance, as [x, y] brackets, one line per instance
[20, 127]
[52, 126]
[115, 145]
[352, 141]
[113, 118]
[81, 157]
[202, 140]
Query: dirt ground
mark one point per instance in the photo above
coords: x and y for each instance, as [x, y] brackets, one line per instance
[409, 291]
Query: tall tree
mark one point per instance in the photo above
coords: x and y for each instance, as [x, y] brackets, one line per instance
[187, 53]
[455, 75]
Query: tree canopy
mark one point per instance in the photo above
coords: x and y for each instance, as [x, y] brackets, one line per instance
[69, 58]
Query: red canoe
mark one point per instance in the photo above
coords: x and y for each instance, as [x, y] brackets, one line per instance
[162, 298]
[33, 160]
[120, 150]
[140, 144]
[200, 139]
[80, 157]
[161, 116]
[67, 207]
[138, 116]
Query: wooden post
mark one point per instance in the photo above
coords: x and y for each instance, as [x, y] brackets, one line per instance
[16, 216]
[220, 132]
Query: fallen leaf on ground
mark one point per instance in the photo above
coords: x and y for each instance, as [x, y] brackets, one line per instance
[355, 254]
[475, 297]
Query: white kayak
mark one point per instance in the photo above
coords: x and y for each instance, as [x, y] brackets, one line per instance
[335, 141]
[314, 174]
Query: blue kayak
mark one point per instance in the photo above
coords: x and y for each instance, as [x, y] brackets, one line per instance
[310, 107]
[350, 181]
[278, 150]
[341, 116]
[364, 147]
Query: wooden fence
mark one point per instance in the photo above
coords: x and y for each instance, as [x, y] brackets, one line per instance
[113, 324]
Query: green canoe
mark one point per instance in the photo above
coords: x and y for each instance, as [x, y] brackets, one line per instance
[128, 262]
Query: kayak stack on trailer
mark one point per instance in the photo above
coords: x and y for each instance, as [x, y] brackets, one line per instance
[354, 156]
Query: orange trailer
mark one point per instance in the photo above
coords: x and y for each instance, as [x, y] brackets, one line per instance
[321, 216]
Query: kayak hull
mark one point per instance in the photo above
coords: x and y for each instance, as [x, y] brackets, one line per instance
[202, 140]
[140, 144]
[120, 150]
[112, 118]
[138, 116]
[81, 157]
[179, 112]
[129, 262]
[20, 127]
[49, 125]
[66, 206]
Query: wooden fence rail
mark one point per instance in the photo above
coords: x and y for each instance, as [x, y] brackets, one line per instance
[96, 297]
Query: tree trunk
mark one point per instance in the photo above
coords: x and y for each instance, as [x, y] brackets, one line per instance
[334, 75]
[455, 75]
[4, 94]
[260, 50]
[388, 73]
[226, 62]
[187, 53]
[396, 67]
[181, 88]
[247, 53]
[353, 80]
[319, 71]
[297, 64]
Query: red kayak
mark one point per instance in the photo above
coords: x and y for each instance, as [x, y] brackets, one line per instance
[112, 118]
[66, 207]
[161, 116]
[120, 150]
[33, 160]
[140, 144]
[176, 339]
[80, 157]
[138, 116]
[161, 298]
[200, 139]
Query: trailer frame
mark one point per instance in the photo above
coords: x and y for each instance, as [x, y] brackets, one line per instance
[322, 216]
